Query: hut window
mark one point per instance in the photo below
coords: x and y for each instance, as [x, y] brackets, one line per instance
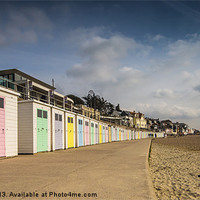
[96, 126]
[45, 114]
[68, 119]
[56, 117]
[92, 125]
[103, 127]
[80, 121]
[60, 118]
[86, 123]
[1, 103]
[71, 120]
[39, 113]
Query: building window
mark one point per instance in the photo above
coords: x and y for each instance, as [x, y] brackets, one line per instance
[45, 114]
[1, 103]
[60, 118]
[39, 113]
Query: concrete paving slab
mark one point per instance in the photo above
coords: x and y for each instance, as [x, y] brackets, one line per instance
[117, 170]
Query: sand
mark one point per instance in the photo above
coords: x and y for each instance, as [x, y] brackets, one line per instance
[175, 167]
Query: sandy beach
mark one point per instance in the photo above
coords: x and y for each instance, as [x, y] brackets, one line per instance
[175, 167]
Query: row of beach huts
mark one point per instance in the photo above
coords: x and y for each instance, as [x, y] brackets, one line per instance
[32, 126]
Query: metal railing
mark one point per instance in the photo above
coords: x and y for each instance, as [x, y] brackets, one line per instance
[31, 94]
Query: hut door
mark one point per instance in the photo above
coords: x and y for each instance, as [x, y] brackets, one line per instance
[86, 133]
[100, 134]
[96, 130]
[92, 133]
[70, 131]
[117, 134]
[103, 135]
[80, 132]
[58, 132]
[2, 127]
[42, 130]
[39, 131]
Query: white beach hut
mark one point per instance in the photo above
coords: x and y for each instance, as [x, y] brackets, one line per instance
[8, 122]
[34, 129]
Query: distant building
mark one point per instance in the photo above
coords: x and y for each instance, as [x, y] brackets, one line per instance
[139, 120]
[154, 125]
[88, 112]
[167, 126]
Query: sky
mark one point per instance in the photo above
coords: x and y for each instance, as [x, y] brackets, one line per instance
[144, 55]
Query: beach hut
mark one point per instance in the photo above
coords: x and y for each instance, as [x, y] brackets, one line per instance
[97, 132]
[146, 134]
[117, 133]
[125, 134]
[70, 124]
[114, 133]
[132, 134]
[110, 134]
[135, 135]
[80, 132]
[58, 128]
[103, 134]
[129, 134]
[8, 122]
[92, 132]
[120, 134]
[107, 134]
[138, 135]
[160, 134]
[34, 130]
[86, 131]
[100, 133]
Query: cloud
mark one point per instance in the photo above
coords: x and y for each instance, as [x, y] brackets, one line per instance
[165, 111]
[197, 88]
[185, 49]
[24, 24]
[164, 93]
[158, 37]
[116, 67]
[102, 59]
[179, 55]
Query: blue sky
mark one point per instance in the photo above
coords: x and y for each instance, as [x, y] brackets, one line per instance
[144, 55]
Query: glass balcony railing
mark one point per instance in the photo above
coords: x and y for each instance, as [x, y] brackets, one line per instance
[6, 83]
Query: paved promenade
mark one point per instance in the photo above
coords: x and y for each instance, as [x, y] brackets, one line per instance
[117, 170]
